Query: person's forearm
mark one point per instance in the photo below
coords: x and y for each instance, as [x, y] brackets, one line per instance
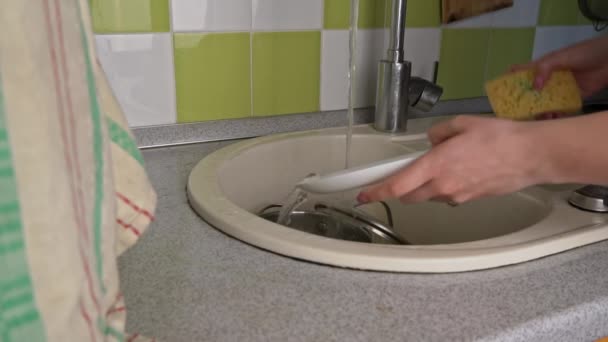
[587, 52]
[572, 150]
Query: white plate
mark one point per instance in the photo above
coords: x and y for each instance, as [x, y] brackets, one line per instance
[357, 177]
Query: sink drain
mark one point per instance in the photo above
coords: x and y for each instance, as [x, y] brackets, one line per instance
[337, 223]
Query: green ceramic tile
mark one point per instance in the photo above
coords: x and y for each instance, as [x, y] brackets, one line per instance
[212, 76]
[423, 13]
[111, 16]
[462, 62]
[286, 72]
[582, 20]
[371, 14]
[507, 47]
[561, 12]
[388, 10]
[336, 14]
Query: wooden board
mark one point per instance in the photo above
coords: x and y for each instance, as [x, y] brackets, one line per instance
[454, 10]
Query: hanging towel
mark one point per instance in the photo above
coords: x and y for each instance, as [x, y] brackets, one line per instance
[74, 193]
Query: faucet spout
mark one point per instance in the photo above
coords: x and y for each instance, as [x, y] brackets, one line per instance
[396, 89]
[397, 37]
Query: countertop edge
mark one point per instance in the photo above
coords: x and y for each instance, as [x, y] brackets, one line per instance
[208, 131]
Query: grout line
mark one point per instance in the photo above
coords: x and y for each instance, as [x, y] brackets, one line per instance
[172, 54]
[244, 31]
[338, 30]
[251, 83]
[538, 8]
[287, 30]
[322, 14]
[321, 73]
[251, 74]
[129, 33]
[438, 60]
[211, 31]
[488, 48]
[534, 40]
[247, 31]
[321, 59]
[387, 13]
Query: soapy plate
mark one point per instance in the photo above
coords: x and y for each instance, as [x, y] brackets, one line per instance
[356, 177]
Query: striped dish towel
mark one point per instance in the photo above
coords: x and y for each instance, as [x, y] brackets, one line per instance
[73, 190]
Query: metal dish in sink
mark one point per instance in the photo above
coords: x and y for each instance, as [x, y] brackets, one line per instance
[337, 223]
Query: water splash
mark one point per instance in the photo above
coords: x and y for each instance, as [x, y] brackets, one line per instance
[295, 199]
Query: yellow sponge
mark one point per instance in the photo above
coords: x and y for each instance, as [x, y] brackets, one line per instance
[513, 96]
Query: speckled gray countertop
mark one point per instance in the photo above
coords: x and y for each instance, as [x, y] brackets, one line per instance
[186, 281]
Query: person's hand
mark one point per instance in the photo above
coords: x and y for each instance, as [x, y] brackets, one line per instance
[471, 157]
[587, 60]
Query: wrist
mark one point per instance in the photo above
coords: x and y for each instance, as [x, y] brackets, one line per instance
[540, 156]
[566, 150]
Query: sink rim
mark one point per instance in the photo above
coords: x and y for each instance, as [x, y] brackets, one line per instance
[239, 223]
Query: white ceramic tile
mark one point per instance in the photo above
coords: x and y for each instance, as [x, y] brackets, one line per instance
[287, 14]
[140, 70]
[211, 15]
[524, 13]
[551, 38]
[422, 49]
[371, 48]
[334, 69]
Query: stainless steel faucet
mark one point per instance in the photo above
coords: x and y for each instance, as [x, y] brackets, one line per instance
[397, 90]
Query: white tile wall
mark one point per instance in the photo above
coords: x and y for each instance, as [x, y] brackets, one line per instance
[422, 47]
[551, 38]
[371, 48]
[140, 66]
[287, 14]
[334, 69]
[140, 70]
[211, 15]
[524, 13]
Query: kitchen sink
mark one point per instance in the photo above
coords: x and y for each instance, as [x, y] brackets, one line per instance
[231, 187]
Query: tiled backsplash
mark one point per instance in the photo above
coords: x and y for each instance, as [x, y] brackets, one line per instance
[180, 61]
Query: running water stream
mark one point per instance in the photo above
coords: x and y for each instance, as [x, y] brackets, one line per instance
[298, 196]
[352, 67]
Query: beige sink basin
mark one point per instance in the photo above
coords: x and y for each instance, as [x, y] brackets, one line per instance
[432, 223]
[231, 186]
